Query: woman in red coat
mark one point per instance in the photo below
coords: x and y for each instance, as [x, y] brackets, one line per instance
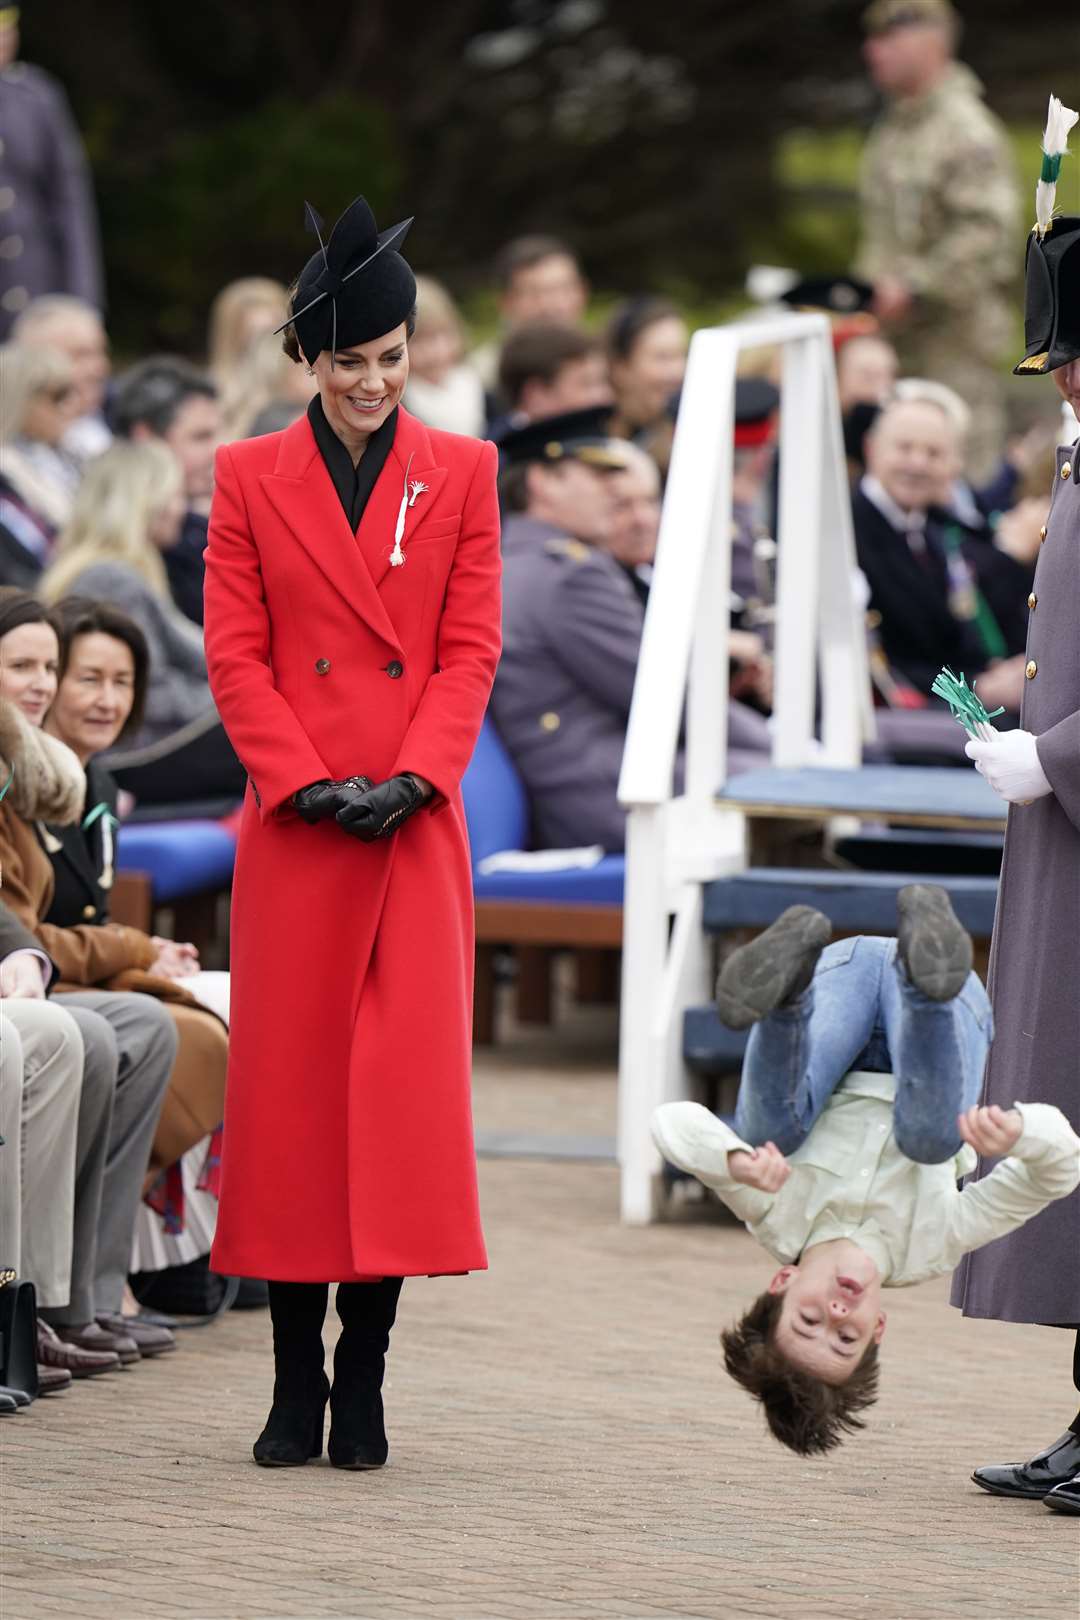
[352, 633]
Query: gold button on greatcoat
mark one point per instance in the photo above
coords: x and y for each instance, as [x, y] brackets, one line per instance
[1066, 469]
[550, 721]
[1042, 532]
[89, 911]
[322, 666]
[1032, 670]
[1033, 601]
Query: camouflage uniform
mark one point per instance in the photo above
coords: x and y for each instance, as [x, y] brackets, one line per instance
[940, 212]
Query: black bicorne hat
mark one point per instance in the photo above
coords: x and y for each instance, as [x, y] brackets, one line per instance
[356, 287]
[1052, 298]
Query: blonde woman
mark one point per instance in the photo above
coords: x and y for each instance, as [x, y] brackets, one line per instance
[127, 513]
[36, 403]
[263, 377]
[242, 312]
[443, 390]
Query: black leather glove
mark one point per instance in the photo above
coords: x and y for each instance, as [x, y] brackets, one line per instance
[321, 800]
[381, 810]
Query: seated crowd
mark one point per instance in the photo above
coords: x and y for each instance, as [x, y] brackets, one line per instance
[105, 487]
[111, 1088]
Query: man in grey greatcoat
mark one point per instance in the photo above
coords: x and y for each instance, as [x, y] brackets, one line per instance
[48, 221]
[572, 625]
[1033, 1275]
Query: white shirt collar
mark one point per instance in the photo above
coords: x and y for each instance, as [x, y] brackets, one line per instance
[903, 522]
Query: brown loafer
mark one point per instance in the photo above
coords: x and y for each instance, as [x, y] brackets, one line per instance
[52, 1351]
[52, 1380]
[148, 1338]
[89, 1336]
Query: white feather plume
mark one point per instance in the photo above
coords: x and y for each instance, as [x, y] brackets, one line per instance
[1059, 122]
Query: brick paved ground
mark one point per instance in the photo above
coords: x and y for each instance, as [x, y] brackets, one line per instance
[563, 1445]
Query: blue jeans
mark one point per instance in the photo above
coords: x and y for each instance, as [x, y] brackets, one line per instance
[862, 1012]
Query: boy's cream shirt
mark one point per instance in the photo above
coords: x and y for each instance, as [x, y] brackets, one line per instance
[850, 1180]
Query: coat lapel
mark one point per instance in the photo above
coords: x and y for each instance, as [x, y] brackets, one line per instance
[411, 457]
[304, 497]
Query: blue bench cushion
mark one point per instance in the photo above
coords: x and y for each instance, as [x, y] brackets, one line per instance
[496, 807]
[600, 885]
[180, 857]
[862, 902]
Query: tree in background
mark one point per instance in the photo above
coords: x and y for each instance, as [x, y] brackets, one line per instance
[646, 133]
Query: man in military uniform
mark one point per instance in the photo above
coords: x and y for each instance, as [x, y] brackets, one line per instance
[572, 625]
[48, 222]
[1034, 983]
[939, 214]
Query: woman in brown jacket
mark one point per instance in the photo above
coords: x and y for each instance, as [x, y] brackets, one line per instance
[48, 784]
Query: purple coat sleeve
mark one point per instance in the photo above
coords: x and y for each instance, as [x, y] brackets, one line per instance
[1059, 755]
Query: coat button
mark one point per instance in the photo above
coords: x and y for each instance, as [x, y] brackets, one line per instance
[1033, 601]
[550, 721]
[1042, 532]
[1032, 670]
[322, 666]
[89, 912]
[395, 670]
[1066, 469]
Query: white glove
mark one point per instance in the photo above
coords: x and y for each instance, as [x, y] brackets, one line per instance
[1009, 760]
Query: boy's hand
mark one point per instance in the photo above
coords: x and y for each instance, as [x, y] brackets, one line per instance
[992, 1132]
[763, 1167]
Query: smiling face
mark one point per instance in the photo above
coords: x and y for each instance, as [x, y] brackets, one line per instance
[830, 1313]
[653, 371]
[29, 665]
[95, 697]
[912, 449]
[362, 387]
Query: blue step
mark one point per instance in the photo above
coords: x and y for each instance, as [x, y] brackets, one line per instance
[915, 849]
[709, 1047]
[856, 902]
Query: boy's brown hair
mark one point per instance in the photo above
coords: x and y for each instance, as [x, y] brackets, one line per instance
[804, 1413]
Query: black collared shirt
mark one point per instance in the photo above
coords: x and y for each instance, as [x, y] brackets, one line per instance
[353, 484]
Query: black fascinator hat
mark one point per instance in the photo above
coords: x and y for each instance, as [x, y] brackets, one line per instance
[356, 287]
[1052, 298]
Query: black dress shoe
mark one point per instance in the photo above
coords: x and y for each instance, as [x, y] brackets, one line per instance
[772, 969]
[1059, 1464]
[1065, 1498]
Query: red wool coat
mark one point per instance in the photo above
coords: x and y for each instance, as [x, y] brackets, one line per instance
[348, 1144]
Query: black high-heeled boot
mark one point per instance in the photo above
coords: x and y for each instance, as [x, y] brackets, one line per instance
[294, 1429]
[357, 1429]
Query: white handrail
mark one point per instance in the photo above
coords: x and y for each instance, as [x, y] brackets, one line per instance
[675, 844]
